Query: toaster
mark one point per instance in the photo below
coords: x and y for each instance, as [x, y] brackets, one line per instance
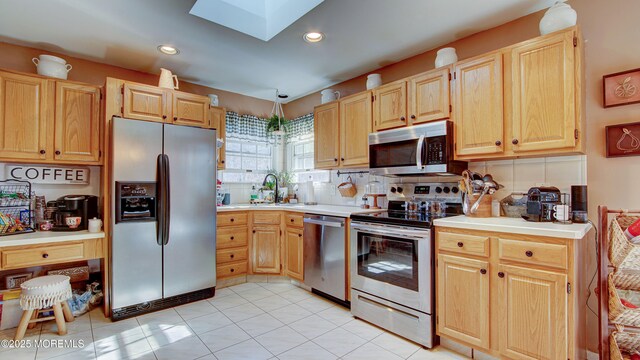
[540, 203]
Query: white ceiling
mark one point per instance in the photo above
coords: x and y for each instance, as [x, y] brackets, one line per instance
[361, 36]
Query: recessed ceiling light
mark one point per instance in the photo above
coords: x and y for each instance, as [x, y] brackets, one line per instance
[313, 37]
[168, 50]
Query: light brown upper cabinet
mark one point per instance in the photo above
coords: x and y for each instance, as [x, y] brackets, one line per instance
[327, 136]
[429, 98]
[355, 126]
[218, 121]
[543, 91]
[390, 106]
[24, 118]
[478, 109]
[145, 102]
[190, 109]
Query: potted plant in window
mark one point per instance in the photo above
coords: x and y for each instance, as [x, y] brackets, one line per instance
[268, 191]
[284, 180]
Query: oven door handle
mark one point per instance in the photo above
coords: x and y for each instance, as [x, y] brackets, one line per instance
[398, 233]
[419, 152]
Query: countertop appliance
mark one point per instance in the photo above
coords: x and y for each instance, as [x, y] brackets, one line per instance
[540, 203]
[163, 251]
[416, 150]
[83, 206]
[392, 263]
[325, 256]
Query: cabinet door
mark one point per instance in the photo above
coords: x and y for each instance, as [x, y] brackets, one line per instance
[533, 313]
[190, 109]
[294, 266]
[218, 117]
[355, 126]
[390, 106]
[463, 299]
[265, 248]
[429, 96]
[544, 94]
[478, 112]
[77, 122]
[24, 119]
[326, 136]
[144, 102]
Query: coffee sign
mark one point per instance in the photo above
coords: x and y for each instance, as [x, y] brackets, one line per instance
[47, 174]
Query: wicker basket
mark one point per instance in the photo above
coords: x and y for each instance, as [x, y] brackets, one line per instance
[618, 313]
[623, 254]
[348, 189]
[620, 341]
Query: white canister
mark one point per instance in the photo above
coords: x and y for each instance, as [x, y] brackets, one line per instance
[329, 95]
[373, 81]
[95, 225]
[53, 66]
[446, 56]
[214, 99]
[559, 16]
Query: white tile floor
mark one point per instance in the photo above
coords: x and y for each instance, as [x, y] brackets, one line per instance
[247, 321]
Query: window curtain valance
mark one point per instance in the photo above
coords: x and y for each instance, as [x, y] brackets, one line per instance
[247, 128]
[300, 128]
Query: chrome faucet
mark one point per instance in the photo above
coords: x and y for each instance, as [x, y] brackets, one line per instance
[264, 182]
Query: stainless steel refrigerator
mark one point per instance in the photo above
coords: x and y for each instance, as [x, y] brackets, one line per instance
[163, 246]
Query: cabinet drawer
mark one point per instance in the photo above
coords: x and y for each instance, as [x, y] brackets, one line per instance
[43, 255]
[229, 237]
[543, 254]
[232, 219]
[231, 255]
[463, 243]
[294, 220]
[231, 270]
[266, 218]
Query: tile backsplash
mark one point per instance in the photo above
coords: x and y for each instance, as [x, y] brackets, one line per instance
[516, 175]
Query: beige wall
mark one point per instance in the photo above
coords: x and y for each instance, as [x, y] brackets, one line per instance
[18, 58]
[611, 32]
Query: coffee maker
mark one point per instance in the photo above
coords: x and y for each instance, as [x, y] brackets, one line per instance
[540, 203]
[83, 206]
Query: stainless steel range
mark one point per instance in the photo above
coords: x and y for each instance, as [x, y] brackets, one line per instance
[392, 261]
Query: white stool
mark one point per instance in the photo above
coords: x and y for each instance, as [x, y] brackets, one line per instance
[43, 294]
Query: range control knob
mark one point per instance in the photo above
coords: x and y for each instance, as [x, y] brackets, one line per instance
[455, 189]
[446, 190]
[400, 190]
[438, 190]
[393, 189]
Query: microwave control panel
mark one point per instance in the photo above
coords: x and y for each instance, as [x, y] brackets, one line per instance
[436, 150]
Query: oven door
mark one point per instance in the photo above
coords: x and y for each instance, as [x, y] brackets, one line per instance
[394, 263]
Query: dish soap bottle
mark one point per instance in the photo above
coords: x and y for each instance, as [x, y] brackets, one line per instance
[254, 194]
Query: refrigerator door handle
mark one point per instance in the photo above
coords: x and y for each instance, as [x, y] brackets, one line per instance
[161, 196]
[167, 201]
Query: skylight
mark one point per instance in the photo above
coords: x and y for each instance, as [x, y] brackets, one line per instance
[262, 19]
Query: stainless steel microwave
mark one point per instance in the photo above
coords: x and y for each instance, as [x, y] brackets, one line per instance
[416, 150]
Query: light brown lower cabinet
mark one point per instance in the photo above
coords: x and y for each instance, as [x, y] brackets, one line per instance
[520, 297]
[294, 266]
[232, 245]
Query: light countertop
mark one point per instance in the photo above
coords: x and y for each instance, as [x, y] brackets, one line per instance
[332, 210]
[516, 226]
[42, 237]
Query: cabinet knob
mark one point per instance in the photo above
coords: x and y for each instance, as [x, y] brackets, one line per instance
[43, 151]
[413, 116]
[500, 274]
[233, 237]
[460, 244]
[335, 159]
[402, 118]
[254, 231]
[232, 270]
[222, 161]
[299, 235]
[292, 220]
[232, 220]
[483, 271]
[515, 141]
[232, 256]
[529, 253]
[58, 152]
[45, 255]
[498, 142]
[342, 159]
[164, 116]
[175, 118]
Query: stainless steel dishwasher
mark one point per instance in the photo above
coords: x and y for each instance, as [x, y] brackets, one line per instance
[324, 255]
